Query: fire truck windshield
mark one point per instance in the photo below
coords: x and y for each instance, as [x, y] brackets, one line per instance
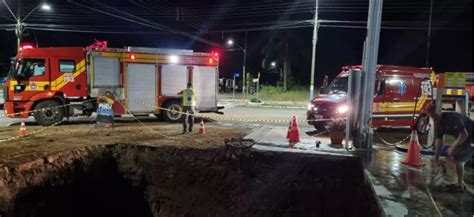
[27, 68]
[339, 85]
[12, 67]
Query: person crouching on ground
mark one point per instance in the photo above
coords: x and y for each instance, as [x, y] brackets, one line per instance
[189, 104]
[461, 150]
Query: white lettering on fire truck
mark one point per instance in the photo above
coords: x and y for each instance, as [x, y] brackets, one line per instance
[68, 78]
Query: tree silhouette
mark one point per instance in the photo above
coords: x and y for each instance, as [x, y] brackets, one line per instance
[287, 49]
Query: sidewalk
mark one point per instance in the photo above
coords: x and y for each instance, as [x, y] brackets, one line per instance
[402, 190]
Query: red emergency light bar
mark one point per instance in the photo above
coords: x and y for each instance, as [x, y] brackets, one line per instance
[26, 46]
[347, 68]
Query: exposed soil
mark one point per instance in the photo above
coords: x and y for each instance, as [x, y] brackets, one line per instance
[127, 180]
[183, 176]
[71, 136]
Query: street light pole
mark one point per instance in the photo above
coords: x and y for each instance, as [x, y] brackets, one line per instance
[19, 25]
[428, 43]
[230, 43]
[315, 41]
[244, 72]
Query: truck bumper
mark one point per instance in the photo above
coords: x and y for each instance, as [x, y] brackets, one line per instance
[17, 109]
[315, 119]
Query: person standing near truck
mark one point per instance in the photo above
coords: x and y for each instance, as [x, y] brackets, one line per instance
[461, 150]
[189, 105]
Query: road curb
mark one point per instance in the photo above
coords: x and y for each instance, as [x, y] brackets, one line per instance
[284, 107]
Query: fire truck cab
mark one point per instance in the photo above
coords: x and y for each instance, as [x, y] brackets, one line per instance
[53, 83]
[402, 94]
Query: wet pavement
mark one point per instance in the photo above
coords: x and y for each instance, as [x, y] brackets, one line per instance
[402, 190]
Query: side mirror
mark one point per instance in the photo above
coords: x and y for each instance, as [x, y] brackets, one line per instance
[20, 77]
[325, 82]
[381, 88]
[323, 90]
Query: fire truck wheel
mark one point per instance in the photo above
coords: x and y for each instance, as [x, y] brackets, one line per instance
[174, 115]
[422, 125]
[50, 114]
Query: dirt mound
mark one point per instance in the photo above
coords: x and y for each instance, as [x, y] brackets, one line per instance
[181, 182]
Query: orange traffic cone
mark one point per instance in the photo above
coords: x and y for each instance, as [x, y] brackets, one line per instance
[202, 128]
[413, 156]
[22, 132]
[294, 136]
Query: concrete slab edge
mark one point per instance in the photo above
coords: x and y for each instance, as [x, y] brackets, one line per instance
[389, 207]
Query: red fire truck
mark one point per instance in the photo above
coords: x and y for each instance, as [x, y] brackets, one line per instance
[143, 80]
[402, 94]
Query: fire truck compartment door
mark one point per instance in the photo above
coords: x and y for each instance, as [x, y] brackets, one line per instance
[173, 79]
[205, 85]
[141, 86]
[106, 72]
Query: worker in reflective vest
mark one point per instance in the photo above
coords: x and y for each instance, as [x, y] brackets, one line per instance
[189, 104]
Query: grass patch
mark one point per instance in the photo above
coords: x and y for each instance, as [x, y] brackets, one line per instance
[295, 94]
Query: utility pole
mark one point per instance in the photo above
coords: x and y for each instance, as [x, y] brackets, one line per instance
[19, 24]
[315, 42]
[428, 43]
[244, 72]
[19, 27]
[365, 134]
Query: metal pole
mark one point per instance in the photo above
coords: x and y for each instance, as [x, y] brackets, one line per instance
[18, 33]
[315, 41]
[244, 73]
[349, 113]
[258, 87]
[19, 28]
[428, 43]
[370, 66]
[233, 88]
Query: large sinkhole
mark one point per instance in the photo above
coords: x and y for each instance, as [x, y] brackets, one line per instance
[187, 182]
[96, 190]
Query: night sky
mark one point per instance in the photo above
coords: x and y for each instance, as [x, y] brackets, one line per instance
[403, 39]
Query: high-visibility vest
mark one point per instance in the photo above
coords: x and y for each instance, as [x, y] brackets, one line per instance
[189, 97]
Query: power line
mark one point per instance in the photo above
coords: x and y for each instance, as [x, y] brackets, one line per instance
[150, 7]
[147, 23]
[77, 18]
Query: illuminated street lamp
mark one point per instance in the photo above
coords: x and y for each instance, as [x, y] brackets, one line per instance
[231, 43]
[46, 7]
[273, 64]
[20, 25]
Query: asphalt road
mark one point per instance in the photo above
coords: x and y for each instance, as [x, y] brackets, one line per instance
[256, 113]
[252, 113]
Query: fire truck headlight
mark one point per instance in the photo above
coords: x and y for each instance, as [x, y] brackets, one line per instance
[312, 107]
[342, 109]
[174, 59]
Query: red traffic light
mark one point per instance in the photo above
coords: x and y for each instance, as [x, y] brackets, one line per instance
[215, 54]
